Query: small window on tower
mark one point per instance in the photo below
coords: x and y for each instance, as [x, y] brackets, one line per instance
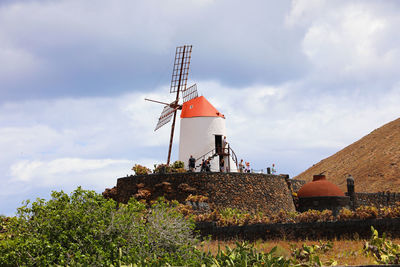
[191, 106]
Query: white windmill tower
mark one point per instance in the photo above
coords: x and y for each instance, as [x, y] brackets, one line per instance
[202, 135]
[202, 126]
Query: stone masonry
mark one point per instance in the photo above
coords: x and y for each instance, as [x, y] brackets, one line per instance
[250, 192]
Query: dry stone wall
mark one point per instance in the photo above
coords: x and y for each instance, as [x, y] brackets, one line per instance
[301, 231]
[296, 184]
[381, 199]
[245, 191]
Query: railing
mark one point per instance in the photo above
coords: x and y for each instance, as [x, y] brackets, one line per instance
[211, 152]
[220, 151]
[234, 157]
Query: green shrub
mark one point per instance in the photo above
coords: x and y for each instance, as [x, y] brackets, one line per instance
[176, 167]
[162, 168]
[85, 228]
[140, 170]
[246, 255]
[310, 255]
[383, 251]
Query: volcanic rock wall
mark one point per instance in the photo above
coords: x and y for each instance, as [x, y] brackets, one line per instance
[381, 199]
[297, 184]
[301, 231]
[245, 191]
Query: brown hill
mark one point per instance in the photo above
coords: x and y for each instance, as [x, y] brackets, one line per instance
[373, 161]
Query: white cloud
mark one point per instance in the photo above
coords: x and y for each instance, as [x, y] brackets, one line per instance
[303, 12]
[119, 46]
[346, 44]
[348, 41]
[80, 126]
[16, 63]
[68, 172]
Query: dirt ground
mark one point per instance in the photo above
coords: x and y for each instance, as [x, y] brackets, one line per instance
[345, 252]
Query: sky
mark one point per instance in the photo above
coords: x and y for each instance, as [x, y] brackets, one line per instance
[296, 80]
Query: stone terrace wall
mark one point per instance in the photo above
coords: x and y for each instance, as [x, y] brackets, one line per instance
[377, 199]
[245, 191]
[297, 184]
[301, 231]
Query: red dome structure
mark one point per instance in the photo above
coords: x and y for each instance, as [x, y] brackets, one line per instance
[321, 194]
[320, 187]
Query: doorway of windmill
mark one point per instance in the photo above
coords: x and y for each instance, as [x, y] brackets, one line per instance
[218, 144]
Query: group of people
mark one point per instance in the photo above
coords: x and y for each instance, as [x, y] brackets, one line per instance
[205, 165]
[244, 167]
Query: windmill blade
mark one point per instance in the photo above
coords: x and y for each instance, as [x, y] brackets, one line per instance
[165, 116]
[181, 68]
[190, 93]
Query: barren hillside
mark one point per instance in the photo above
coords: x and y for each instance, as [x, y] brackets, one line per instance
[373, 161]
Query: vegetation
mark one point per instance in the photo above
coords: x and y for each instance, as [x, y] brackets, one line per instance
[310, 255]
[141, 170]
[377, 250]
[83, 228]
[342, 251]
[244, 254]
[232, 216]
[383, 251]
[176, 167]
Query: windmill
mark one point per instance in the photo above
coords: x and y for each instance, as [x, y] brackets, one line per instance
[178, 84]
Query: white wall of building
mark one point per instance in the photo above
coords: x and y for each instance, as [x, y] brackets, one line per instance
[197, 137]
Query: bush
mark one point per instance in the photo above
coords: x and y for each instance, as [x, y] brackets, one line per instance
[366, 212]
[141, 170]
[162, 168]
[310, 255]
[197, 198]
[176, 167]
[245, 254]
[315, 216]
[383, 251]
[84, 228]
[171, 234]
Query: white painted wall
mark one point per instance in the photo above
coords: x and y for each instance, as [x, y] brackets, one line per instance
[197, 137]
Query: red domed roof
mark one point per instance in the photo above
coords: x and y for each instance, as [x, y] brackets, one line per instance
[320, 187]
[199, 107]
